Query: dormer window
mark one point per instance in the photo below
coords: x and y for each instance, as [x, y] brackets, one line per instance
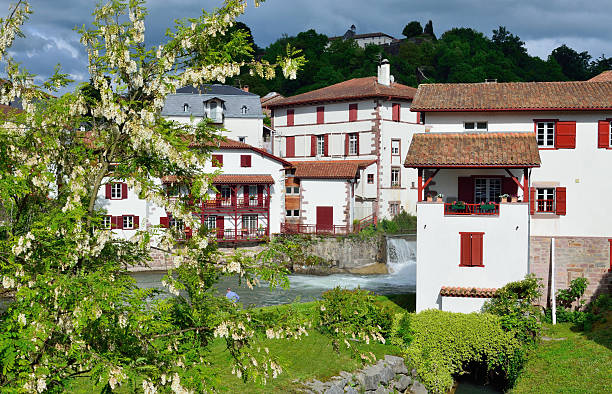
[185, 107]
[215, 110]
[244, 110]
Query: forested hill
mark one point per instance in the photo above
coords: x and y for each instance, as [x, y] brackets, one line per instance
[458, 55]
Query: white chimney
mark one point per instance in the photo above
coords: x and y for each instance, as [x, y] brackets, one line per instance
[384, 73]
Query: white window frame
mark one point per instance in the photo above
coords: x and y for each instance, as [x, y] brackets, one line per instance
[492, 190]
[107, 222]
[394, 208]
[226, 192]
[320, 145]
[250, 222]
[395, 147]
[242, 139]
[128, 222]
[545, 133]
[610, 135]
[547, 194]
[396, 181]
[116, 191]
[185, 107]
[296, 212]
[353, 144]
[476, 125]
[176, 224]
[292, 190]
[288, 213]
[211, 222]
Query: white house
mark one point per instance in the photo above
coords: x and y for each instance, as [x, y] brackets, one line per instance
[366, 38]
[363, 119]
[549, 144]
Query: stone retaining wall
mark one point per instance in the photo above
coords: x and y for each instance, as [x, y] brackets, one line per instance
[349, 253]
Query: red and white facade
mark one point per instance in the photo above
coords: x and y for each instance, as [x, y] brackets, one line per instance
[570, 124]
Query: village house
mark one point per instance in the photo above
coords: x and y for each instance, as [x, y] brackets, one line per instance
[365, 121]
[547, 145]
[364, 39]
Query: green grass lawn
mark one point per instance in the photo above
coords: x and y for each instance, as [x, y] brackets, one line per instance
[581, 363]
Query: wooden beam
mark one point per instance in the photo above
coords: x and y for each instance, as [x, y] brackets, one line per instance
[430, 178]
[526, 194]
[515, 179]
[420, 184]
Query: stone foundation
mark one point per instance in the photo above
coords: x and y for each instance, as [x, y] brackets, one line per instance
[160, 261]
[575, 257]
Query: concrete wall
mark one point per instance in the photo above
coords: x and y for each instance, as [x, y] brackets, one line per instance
[346, 253]
[438, 250]
[575, 257]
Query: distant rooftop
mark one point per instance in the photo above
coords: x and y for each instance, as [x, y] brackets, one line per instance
[605, 76]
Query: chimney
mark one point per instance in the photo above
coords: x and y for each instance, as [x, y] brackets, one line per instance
[245, 88]
[384, 73]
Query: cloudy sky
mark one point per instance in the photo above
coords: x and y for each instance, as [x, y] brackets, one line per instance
[542, 24]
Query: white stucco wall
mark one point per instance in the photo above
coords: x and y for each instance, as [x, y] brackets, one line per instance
[324, 193]
[462, 304]
[505, 243]
[251, 128]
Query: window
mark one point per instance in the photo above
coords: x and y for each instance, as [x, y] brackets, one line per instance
[320, 115]
[176, 224]
[185, 107]
[292, 190]
[226, 192]
[214, 113]
[249, 222]
[290, 117]
[545, 199]
[242, 139]
[604, 134]
[320, 145]
[296, 212]
[244, 110]
[245, 160]
[395, 177]
[293, 213]
[394, 208]
[475, 126]
[545, 134]
[353, 144]
[290, 146]
[107, 222]
[471, 250]
[128, 222]
[217, 160]
[487, 189]
[211, 222]
[396, 112]
[395, 147]
[177, 190]
[370, 178]
[116, 191]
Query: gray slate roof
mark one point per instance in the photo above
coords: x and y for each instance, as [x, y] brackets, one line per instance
[233, 100]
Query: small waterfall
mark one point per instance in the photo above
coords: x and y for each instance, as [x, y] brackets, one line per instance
[401, 258]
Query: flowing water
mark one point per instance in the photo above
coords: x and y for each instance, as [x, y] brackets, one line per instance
[401, 261]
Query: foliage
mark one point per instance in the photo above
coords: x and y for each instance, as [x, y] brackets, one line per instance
[412, 29]
[402, 223]
[74, 309]
[349, 315]
[573, 64]
[448, 344]
[514, 304]
[576, 289]
[290, 250]
[583, 319]
[404, 332]
[429, 29]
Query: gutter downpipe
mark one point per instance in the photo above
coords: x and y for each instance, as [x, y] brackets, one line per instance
[552, 282]
[528, 193]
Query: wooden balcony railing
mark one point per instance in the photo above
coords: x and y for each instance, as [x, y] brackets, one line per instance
[490, 209]
[236, 203]
[544, 205]
[315, 229]
[241, 235]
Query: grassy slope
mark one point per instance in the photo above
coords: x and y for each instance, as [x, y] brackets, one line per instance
[582, 363]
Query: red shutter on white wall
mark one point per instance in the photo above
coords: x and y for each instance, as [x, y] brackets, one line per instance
[217, 160]
[290, 117]
[560, 200]
[357, 150]
[136, 221]
[164, 222]
[290, 147]
[108, 191]
[396, 112]
[465, 190]
[313, 145]
[346, 144]
[320, 115]
[326, 145]
[245, 160]
[603, 134]
[476, 249]
[353, 112]
[418, 117]
[565, 135]
[120, 222]
[465, 250]
[509, 186]
[124, 191]
[532, 201]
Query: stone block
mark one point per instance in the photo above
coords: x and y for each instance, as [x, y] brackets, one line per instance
[397, 363]
[335, 389]
[418, 388]
[371, 379]
[350, 390]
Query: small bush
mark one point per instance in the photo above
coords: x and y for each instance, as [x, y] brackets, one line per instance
[404, 332]
[446, 344]
[576, 289]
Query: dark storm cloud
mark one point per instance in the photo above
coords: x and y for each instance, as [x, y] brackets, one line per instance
[543, 25]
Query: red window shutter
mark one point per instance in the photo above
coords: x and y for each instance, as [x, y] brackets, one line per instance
[565, 135]
[313, 145]
[164, 222]
[124, 191]
[465, 190]
[290, 149]
[476, 249]
[560, 200]
[418, 117]
[290, 117]
[346, 144]
[136, 221]
[603, 134]
[120, 222]
[220, 222]
[396, 112]
[532, 200]
[509, 186]
[353, 112]
[320, 115]
[108, 191]
[326, 145]
[466, 248]
[357, 150]
[113, 221]
[188, 232]
[245, 160]
[217, 160]
[260, 195]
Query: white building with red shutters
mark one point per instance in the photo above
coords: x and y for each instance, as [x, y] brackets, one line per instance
[548, 144]
[360, 120]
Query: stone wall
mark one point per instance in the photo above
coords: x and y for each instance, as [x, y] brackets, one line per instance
[575, 257]
[349, 253]
[160, 261]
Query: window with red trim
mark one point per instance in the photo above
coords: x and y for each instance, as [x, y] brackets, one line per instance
[545, 134]
[396, 112]
[604, 134]
[290, 146]
[217, 160]
[245, 160]
[550, 200]
[471, 249]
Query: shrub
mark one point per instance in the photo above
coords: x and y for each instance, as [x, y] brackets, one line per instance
[576, 289]
[404, 332]
[514, 303]
[445, 344]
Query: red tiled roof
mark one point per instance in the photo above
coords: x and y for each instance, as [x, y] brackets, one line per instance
[513, 96]
[8, 109]
[603, 77]
[329, 169]
[229, 179]
[267, 101]
[474, 292]
[357, 88]
[227, 143]
[443, 150]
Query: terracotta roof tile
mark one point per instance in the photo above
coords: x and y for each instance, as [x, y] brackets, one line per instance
[330, 169]
[229, 179]
[357, 88]
[474, 292]
[473, 150]
[227, 143]
[514, 96]
[605, 76]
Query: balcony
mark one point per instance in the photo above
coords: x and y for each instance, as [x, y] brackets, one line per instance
[461, 208]
[235, 204]
[314, 229]
[241, 235]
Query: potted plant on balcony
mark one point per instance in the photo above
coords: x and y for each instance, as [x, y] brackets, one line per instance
[439, 197]
[514, 198]
[458, 206]
[504, 197]
[487, 206]
[429, 198]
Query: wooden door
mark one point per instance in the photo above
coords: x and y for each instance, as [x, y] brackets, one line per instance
[325, 219]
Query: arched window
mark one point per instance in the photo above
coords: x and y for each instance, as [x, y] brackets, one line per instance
[185, 107]
[244, 109]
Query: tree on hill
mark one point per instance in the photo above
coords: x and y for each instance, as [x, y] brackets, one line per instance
[429, 29]
[573, 64]
[413, 29]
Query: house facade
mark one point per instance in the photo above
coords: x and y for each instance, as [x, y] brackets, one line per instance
[364, 39]
[363, 119]
[548, 145]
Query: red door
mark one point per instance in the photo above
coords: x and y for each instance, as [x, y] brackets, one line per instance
[325, 219]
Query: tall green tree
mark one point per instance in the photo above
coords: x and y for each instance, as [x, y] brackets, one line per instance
[574, 65]
[412, 29]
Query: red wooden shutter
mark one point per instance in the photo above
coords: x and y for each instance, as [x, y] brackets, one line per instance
[164, 222]
[120, 222]
[136, 221]
[509, 186]
[346, 144]
[260, 195]
[603, 134]
[532, 201]
[290, 117]
[326, 145]
[217, 160]
[560, 200]
[565, 135]
[108, 191]
[466, 248]
[418, 117]
[188, 232]
[113, 222]
[124, 191]
[245, 160]
[353, 112]
[290, 149]
[313, 145]
[465, 190]
[476, 249]
[396, 112]
[320, 115]
[357, 147]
